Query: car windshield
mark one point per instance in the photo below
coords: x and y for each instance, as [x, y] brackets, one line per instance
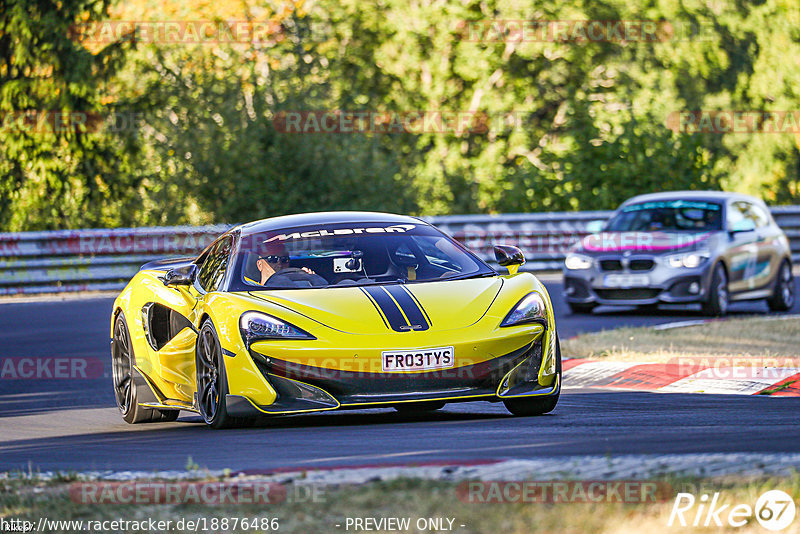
[667, 216]
[349, 254]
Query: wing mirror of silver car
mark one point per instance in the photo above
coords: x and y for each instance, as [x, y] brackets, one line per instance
[509, 256]
[595, 227]
[745, 225]
[181, 276]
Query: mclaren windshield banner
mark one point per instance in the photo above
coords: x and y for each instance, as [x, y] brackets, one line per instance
[332, 231]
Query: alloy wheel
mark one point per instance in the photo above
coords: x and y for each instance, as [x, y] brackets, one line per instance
[208, 376]
[722, 290]
[787, 287]
[122, 367]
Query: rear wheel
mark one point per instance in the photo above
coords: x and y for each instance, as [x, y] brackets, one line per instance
[526, 406]
[125, 389]
[581, 308]
[717, 302]
[212, 385]
[419, 407]
[782, 298]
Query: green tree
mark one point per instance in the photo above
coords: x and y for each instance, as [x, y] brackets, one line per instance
[57, 175]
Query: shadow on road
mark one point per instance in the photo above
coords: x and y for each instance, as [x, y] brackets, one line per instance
[598, 423]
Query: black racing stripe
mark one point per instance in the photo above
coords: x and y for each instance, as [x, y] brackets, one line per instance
[389, 308]
[410, 307]
[380, 314]
[413, 296]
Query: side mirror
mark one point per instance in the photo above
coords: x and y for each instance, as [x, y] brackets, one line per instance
[745, 225]
[181, 276]
[509, 256]
[595, 227]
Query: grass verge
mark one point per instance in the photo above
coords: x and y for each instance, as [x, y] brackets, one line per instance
[407, 498]
[747, 337]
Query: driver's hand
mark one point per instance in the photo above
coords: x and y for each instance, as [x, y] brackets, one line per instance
[307, 270]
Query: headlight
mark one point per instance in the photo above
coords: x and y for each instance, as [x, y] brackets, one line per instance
[690, 261]
[256, 326]
[530, 309]
[576, 262]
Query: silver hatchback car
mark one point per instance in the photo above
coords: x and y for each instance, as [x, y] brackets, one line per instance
[682, 247]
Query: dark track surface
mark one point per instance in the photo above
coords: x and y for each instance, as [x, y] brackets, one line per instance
[73, 424]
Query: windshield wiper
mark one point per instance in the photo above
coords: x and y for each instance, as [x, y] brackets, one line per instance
[384, 282]
[404, 281]
[476, 275]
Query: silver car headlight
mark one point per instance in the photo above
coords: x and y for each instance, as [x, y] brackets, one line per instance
[576, 262]
[257, 326]
[531, 309]
[689, 261]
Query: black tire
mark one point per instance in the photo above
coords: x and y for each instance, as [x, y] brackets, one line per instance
[782, 298]
[524, 407]
[716, 303]
[581, 308]
[419, 407]
[123, 360]
[212, 384]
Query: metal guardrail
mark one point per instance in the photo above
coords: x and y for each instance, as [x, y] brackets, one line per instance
[543, 237]
[86, 260]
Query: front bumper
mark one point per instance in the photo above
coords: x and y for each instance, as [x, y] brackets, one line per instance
[664, 285]
[529, 370]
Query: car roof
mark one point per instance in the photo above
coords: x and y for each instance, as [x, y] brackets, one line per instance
[325, 217]
[710, 196]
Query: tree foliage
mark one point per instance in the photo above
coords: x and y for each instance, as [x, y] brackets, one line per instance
[572, 125]
[53, 172]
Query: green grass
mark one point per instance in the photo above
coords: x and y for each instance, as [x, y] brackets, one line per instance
[749, 337]
[412, 498]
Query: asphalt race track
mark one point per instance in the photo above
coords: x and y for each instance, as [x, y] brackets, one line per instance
[73, 425]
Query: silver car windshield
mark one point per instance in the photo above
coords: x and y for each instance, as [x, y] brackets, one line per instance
[668, 216]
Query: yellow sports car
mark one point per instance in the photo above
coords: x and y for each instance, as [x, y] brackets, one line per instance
[328, 311]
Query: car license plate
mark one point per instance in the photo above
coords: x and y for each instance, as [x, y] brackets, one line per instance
[417, 359]
[626, 280]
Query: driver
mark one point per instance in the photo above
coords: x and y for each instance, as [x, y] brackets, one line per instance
[274, 259]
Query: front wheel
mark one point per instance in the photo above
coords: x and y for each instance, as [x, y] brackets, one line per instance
[212, 385]
[717, 302]
[782, 298]
[527, 406]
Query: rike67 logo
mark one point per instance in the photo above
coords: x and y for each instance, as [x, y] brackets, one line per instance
[774, 510]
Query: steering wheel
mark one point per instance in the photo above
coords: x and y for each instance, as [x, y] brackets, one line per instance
[295, 277]
[290, 270]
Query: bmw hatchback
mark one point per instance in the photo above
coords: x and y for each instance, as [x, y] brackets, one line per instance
[682, 247]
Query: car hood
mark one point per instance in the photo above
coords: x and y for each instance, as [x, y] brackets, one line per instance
[378, 309]
[656, 242]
